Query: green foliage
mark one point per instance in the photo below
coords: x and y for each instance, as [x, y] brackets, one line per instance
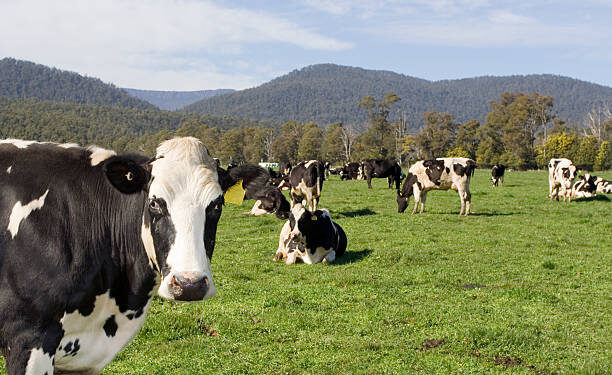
[438, 135]
[603, 160]
[458, 152]
[585, 156]
[311, 143]
[24, 79]
[327, 94]
[333, 149]
[559, 145]
[379, 141]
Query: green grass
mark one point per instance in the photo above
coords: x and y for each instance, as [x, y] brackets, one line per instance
[523, 286]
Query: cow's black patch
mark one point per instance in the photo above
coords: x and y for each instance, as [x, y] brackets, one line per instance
[110, 326]
[72, 348]
[447, 170]
[213, 213]
[434, 169]
[320, 231]
[459, 169]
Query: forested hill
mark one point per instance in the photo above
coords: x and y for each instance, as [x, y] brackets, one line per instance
[24, 79]
[328, 93]
[173, 100]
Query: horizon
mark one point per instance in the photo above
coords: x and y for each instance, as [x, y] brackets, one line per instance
[194, 45]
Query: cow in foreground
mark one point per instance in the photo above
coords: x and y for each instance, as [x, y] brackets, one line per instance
[497, 174]
[310, 237]
[584, 187]
[383, 168]
[89, 237]
[561, 174]
[305, 183]
[438, 174]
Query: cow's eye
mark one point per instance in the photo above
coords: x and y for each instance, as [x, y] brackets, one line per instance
[155, 206]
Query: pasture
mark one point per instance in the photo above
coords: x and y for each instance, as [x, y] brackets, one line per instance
[522, 285]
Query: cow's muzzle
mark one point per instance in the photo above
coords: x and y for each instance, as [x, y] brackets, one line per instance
[189, 286]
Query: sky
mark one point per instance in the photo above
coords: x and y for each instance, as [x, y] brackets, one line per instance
[202, 44]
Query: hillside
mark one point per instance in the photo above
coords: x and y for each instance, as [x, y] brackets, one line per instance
[173, 100]
[330, 93]
[24, 79]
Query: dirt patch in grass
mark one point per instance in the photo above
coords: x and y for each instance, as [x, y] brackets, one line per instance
[507, 361]
[429, 344]
[473, 286]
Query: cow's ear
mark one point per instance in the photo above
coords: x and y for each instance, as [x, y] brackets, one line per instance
[126, 175]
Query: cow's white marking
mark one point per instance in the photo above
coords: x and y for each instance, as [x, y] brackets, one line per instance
[98, 154]
[257, 210]
[19, 143]
[309, 163]
[147, 241]
[20, 212]
[96, 348]
[68, 145]
[9, 169]
[39, 363]
[185, 176]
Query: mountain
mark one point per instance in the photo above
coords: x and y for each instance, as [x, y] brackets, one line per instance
[24, 79]
[328, 93]
[173, 100]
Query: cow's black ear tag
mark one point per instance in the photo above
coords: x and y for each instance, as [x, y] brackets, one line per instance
[126, 176]
[235, 193]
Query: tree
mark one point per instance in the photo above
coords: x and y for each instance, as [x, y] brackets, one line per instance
[255, 138]
[379, 141]
[438, 135]
[232, 145]
[597, 120]
[285, 146]
[468, 138]
[333, 148]
[310, 143]
[587, 153]
[602, 160]
[559, 145]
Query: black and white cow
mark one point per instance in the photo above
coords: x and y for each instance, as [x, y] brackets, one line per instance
[383, 168]
[351, 171]
[311, 237]
[603, 186]
[561, 174]
[584, 187]
[285, 169]
[306, 182]
[89, 237]
[497, 174]
[438, 174]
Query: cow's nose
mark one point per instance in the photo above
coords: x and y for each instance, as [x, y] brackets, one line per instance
[189, 286]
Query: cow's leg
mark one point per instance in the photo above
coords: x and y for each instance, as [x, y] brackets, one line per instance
[32, 353]
[468, 202]
[417, 199]
[423, 199]
[398, 181]
[369, 177]
[462, 197]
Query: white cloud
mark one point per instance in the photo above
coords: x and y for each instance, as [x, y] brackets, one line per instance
[114, 38]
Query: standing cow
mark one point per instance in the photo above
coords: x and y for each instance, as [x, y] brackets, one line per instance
[438, 174]
[381, 168]
[561, 174]
[89, 237]
[306, 182]
[497, 174]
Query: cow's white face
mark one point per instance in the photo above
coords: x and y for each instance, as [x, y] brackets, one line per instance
[180, 219]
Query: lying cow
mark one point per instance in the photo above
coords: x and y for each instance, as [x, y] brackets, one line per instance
[585, 187]
[351, 171]
[497, 174]
[561, 174]
[603, 186]
[311, 237]
[306, 182]
[383, 168]
[90, 237]
[438, 174]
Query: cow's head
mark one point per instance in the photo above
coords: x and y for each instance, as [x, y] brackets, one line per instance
[406, 192]
[569, 174]
[271, 200]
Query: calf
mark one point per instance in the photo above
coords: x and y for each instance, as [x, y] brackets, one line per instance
[381, 168]
[311, 237]
[585, 187]
[561, 174]
[497, 174]
[306, 182]
[603, 186]
[90, 237]
[438, 174]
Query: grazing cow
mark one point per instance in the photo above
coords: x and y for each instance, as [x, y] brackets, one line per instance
[438, 174]
[90, 237]
[381, 168]
[603, 186]
[585, 187]
[351, 171]
[306, 182]
[497, 174]
[311, 237]
[561, 174]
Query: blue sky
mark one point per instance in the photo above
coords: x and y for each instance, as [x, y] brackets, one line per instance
[197, 44]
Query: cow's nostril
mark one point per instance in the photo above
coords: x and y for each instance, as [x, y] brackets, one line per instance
[189, 286]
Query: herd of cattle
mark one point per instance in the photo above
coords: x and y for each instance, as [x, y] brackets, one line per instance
[91, 236]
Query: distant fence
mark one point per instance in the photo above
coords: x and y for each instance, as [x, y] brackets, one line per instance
[269, 165]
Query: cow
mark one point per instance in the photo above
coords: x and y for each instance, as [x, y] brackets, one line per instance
[285, 169]
[89, 237]
[497, 174]
[311, 237]
[306, 182]
[381, 168]
[351, 171]
[438, 174]
[585, 187]
[603, 186]
[561, 174]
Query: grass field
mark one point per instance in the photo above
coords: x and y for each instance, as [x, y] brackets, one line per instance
[523, 286]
